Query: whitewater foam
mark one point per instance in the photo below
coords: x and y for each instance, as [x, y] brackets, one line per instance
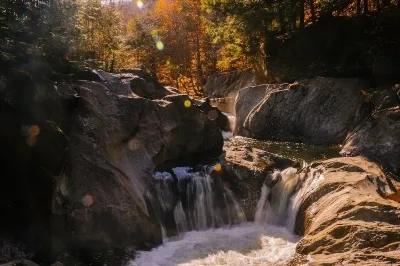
[258, 243]
[245, 244]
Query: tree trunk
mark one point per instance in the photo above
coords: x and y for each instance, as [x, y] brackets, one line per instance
[112, 66]
[293, 15]
[385, 4]
[301, 14]
[198, 63]
[282, 19]
[358, 7]
[378, 5]
[366, 5]
[312, 8]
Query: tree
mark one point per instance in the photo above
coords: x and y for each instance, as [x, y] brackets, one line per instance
[40, 28]
[100, 29]
[302, 10]
[312, 10]
[358, 7]
[366, 6]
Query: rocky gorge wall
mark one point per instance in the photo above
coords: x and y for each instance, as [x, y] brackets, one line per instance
[325, 111]
[78, 157]
[346, 209]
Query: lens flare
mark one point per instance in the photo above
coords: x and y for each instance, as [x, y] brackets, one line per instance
[218, 167]
[212, 115]
[187, 103]
[240, 215]
[140, 4]
[160, 45]
[87, 201]
[154, 33]
[132, 144]
[31, 141]
[34, 130]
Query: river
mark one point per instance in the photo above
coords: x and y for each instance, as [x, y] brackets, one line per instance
[266, 241]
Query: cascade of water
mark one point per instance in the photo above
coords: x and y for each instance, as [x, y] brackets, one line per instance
[244, 244]
[272, 206]
[261, 205]
[197, 199]
[280, 202]
[205, 213]
[238, 215]
[316, 176]
[164, 185]
[180, 219]
[232, 120]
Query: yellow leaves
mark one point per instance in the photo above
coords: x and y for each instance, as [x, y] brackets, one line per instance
[130, 26]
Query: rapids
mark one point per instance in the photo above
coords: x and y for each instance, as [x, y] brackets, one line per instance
[211, 228]
[245, 244]
[267, 241]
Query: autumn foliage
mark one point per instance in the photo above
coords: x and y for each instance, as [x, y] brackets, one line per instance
[179, 41]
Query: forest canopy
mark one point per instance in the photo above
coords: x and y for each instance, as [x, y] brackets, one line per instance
[179, 41]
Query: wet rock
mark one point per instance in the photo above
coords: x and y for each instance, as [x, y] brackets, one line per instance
[317, 111]
[348, 217]
[20, 263]
[116, 141]
[245, 169]
[12, 250]
[86, 152]
[213, 113]
[377, 136]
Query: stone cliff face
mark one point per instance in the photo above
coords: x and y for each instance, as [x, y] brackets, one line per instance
[350, 217]
[229, 83]
[91, 147]
[318, 111]
[346, 209]
[325, 111]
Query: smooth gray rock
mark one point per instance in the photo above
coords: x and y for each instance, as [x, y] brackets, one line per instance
[220, 85]
[316, 111]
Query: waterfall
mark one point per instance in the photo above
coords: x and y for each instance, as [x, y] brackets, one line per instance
[309, 186]
[272, 206]
[180, 219]
[281, 198]
[197, 199]
[232, 122]
[203, 203]
[164, 184]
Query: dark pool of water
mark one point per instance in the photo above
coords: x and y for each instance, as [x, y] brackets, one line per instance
[291, 150]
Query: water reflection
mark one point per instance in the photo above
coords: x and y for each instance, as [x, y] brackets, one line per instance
[291, 150]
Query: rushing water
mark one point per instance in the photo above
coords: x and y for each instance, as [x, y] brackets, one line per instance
[245, 244]
[211, 226]
[206, 239]
[197, 198]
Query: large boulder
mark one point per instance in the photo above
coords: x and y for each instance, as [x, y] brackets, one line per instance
[92, 186]
[143, 84]
[377, 137]
[246, 168]
[347, 214]
[317, 111]
[221, 85]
